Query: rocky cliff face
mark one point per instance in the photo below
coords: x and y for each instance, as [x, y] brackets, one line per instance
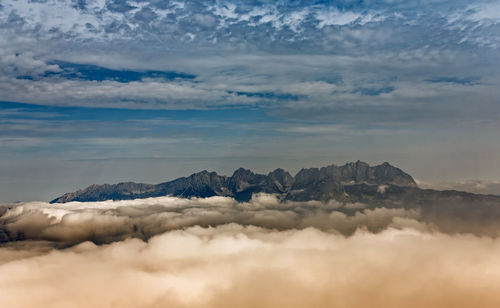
[309, 184]
[121, 191]
[330, 182]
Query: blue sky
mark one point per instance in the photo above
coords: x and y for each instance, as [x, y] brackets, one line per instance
[107, 91]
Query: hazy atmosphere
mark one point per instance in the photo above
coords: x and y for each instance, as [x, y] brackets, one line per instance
[159, 153]
[109, 91]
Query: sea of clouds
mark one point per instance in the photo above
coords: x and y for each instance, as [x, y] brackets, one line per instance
[216, 252]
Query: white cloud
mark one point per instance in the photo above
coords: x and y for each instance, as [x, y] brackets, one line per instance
[56, 15]
[488, 12]
[113, 220]
[332, 17]
[216, 252]
[236, 266]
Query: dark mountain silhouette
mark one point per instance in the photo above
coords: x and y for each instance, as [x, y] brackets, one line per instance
[309, 184]
[378, 186]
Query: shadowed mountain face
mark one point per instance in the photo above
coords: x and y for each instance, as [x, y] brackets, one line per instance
[323, 184]
[358, 184]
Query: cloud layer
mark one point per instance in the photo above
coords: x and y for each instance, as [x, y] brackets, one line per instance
[474, 186]
[215, 252]
[236, 266]
[318, 55]
[108, 221]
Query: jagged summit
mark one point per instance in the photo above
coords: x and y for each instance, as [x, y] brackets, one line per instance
[324, 183]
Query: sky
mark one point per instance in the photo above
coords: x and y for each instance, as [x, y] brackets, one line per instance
[147, 91]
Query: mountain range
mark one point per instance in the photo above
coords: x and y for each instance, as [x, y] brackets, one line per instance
[354, 186]
[331, 182]
[352, 182]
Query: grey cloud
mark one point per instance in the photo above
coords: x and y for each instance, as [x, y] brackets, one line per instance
[255, 44]
[220, 79]
[145, 15]
[457, 80]
[103, 222]
[204, 20]
[475, 186]
[215, 252]
[121, 6]
[285, 22]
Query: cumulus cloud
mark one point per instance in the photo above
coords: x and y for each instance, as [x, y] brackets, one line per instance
[108, 221]
[216, 252]
[237, 266]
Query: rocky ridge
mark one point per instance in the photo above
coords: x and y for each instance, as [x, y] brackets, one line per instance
[326, 183]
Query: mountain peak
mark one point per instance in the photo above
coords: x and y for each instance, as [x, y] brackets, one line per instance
[277, 170]
[279, 173]
[280, 179]
[242, 173]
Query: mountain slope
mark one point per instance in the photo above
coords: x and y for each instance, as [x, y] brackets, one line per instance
[382, 186]
[309, 184]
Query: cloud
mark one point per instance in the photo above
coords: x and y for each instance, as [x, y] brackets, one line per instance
[237, 266]
[473, 186]
[462, 81]
[488, 12]
[313, 57]
[215, 252]
[109, 221]
[338, 18]
[293, 85]
[104, 222]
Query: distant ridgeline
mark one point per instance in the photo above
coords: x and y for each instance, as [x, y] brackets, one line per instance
[332, 182]
[382, 185]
